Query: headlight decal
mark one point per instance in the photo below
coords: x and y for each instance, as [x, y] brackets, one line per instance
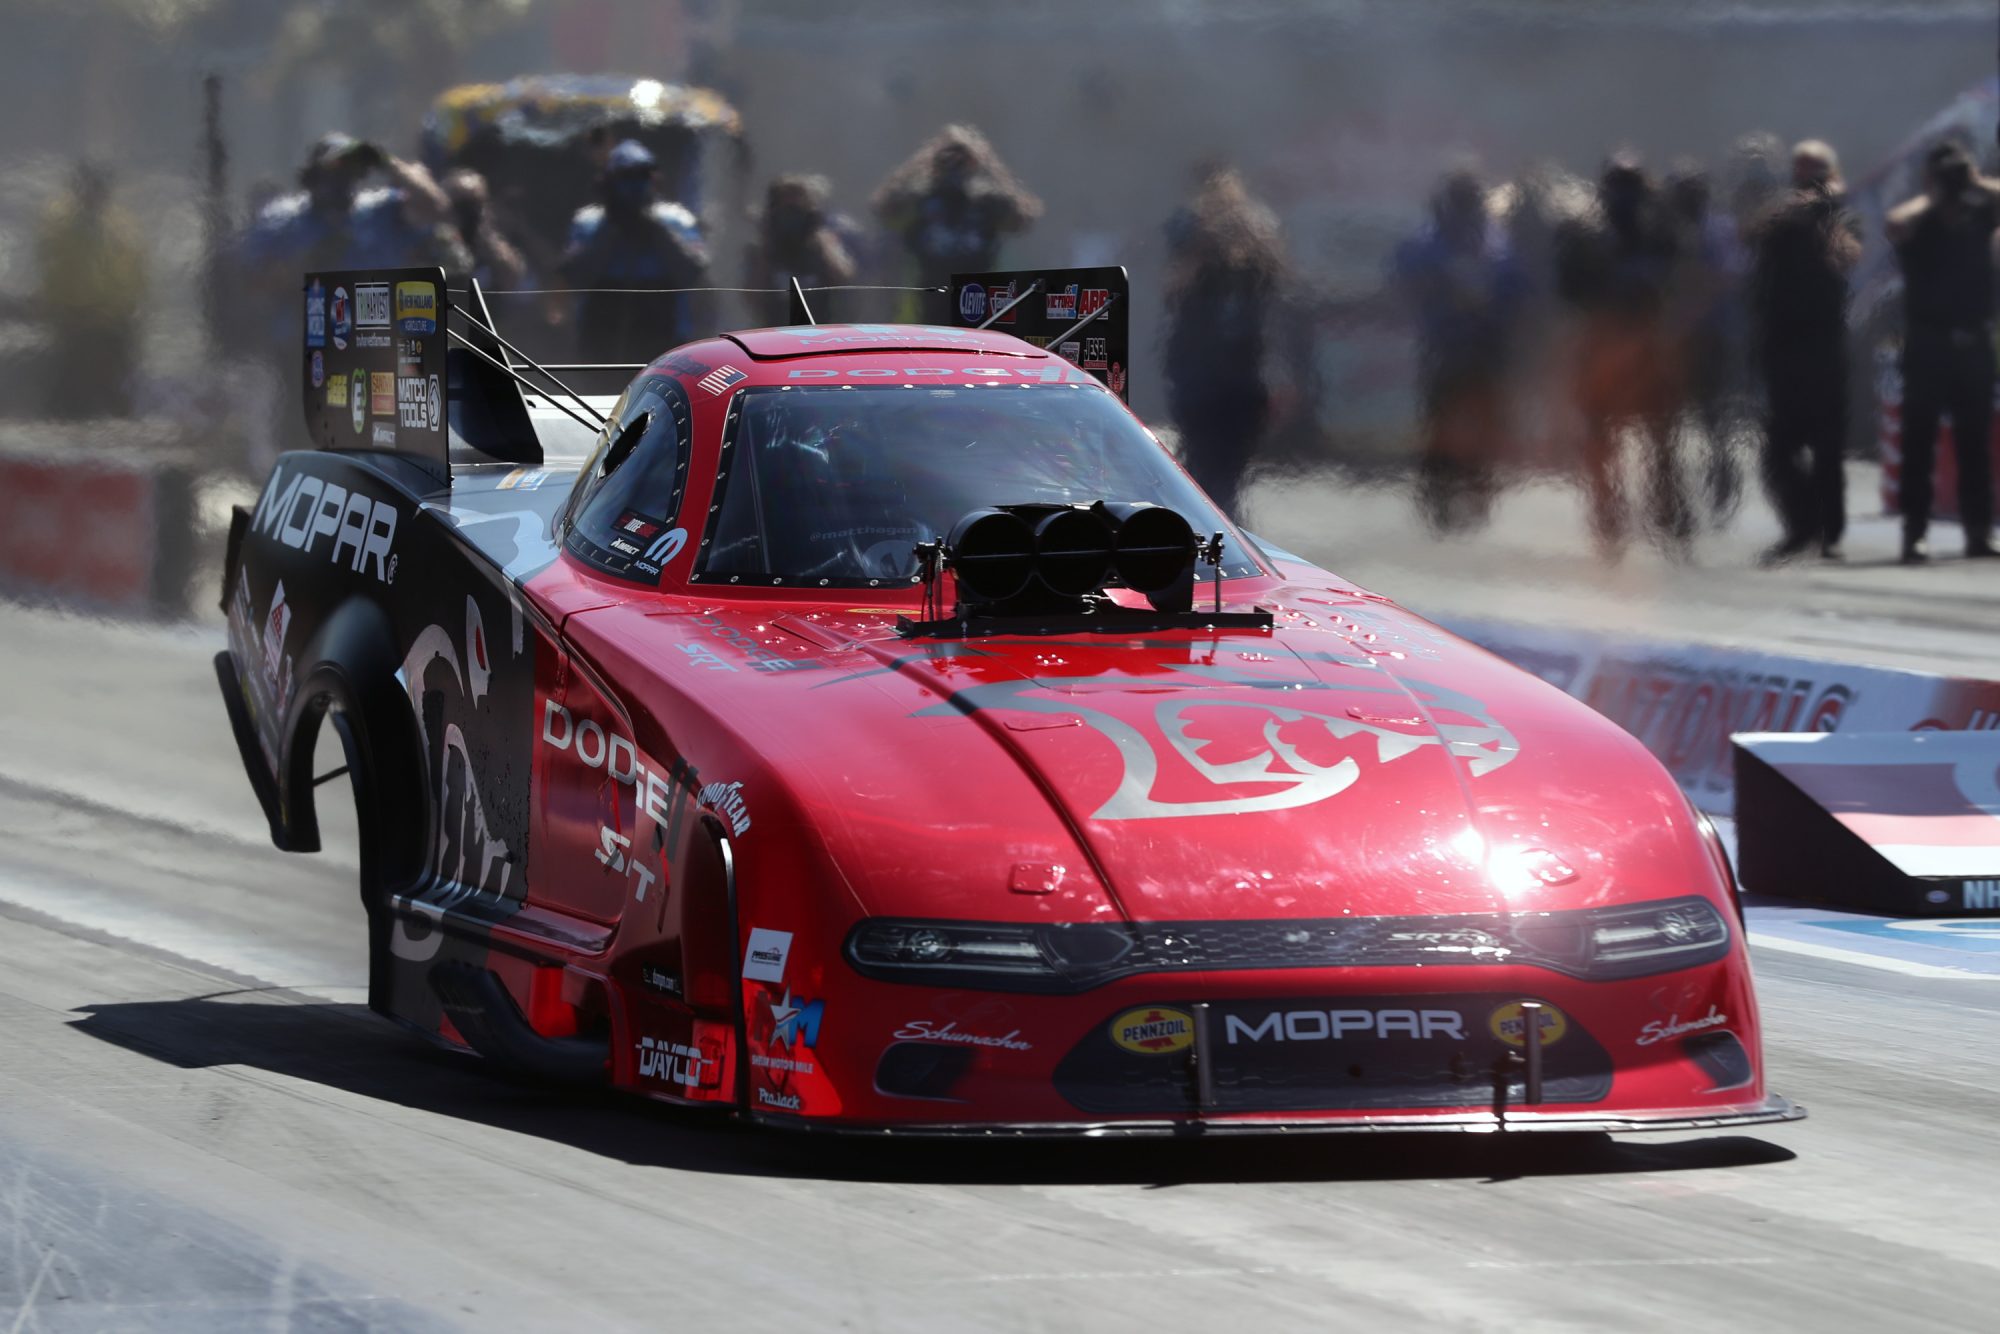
[1597, 944]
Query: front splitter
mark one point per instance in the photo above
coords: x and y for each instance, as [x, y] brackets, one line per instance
[1773, 1108]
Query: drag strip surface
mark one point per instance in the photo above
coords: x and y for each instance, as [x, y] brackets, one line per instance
[201, 1129]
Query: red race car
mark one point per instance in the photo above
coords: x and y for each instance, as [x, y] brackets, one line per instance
[871, 728]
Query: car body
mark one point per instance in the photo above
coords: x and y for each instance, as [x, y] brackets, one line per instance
[647, 806]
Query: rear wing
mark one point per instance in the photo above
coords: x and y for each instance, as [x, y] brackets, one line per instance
[1050, 307]
[391, 365]
[375, 373]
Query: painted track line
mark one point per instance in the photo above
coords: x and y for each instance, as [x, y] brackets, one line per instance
[1760, 940]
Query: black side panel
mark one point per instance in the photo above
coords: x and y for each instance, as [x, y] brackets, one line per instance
[356, 597]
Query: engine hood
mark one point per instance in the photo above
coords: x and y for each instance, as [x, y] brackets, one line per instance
[1354, 761]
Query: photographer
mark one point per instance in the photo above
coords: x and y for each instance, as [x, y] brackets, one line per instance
[1804, 245]
[1944, 243]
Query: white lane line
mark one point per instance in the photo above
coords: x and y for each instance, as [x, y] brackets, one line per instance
[1884, 962]
[93, 909]
[1265, 1271]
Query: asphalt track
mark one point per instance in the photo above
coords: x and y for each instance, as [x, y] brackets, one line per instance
[201, 1129]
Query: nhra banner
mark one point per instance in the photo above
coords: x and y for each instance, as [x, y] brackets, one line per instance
[375, 374]
[1685, 701]
[1103, 347]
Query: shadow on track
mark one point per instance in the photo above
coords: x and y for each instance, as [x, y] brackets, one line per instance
[345, 1047]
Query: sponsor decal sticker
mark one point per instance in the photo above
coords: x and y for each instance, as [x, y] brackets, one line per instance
[1508, 1026]
[527, 479]
[726, 800]
[317, 365]
[1153, 1030]
[655, 978]
[336, 392]
[795, 1025]
[612, 851]
[658, 795]
[1060, 305]
[1336, 1025]
[433, 404]
[276, 624]
[701, 655]
[307, 508]
[1659, 1030]
[719, 380]
[384, 436]
[764, 960]
[315, 314]
[357, 399]
[382, 393]
[672, 1062]
[1978, 894]
[416, 307]
[788, 1102]
[760, 658]
[972, 302]
[1094, 354]
[343, 318]
[371, 305]
[927, 1030]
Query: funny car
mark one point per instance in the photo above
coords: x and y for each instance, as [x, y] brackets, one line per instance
[872, 728]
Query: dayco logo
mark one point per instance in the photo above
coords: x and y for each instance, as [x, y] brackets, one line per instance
[1334, 1025]
[1510, 1028]
[308, 508]
[1672, 1027]
[416, 307]
[1153, 1031]
[671, 1062]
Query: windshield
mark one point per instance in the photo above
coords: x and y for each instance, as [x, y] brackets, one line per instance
[837, 486]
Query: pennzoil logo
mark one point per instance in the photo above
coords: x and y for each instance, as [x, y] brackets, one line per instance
[1508, 1026]
[416, 307]
[1153, 1030]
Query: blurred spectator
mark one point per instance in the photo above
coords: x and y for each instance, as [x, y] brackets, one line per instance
[1757, 174]
[1613, 269]
[1462, 285]
[950, 205]
[93, 284]
[1223, 273]
[496, 263]
[1944, 244]
[1533, 209]
[634, 244]
[1704, 325]
[336, 221]
[1815, 166]
[1805, 246]
[797, 237]
[333, 222]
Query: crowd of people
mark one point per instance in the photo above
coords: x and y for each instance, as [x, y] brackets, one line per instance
[1640, 326]
[1662, 324]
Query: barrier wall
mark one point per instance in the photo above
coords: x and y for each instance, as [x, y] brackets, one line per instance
[1683, 701]
[103, 528]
